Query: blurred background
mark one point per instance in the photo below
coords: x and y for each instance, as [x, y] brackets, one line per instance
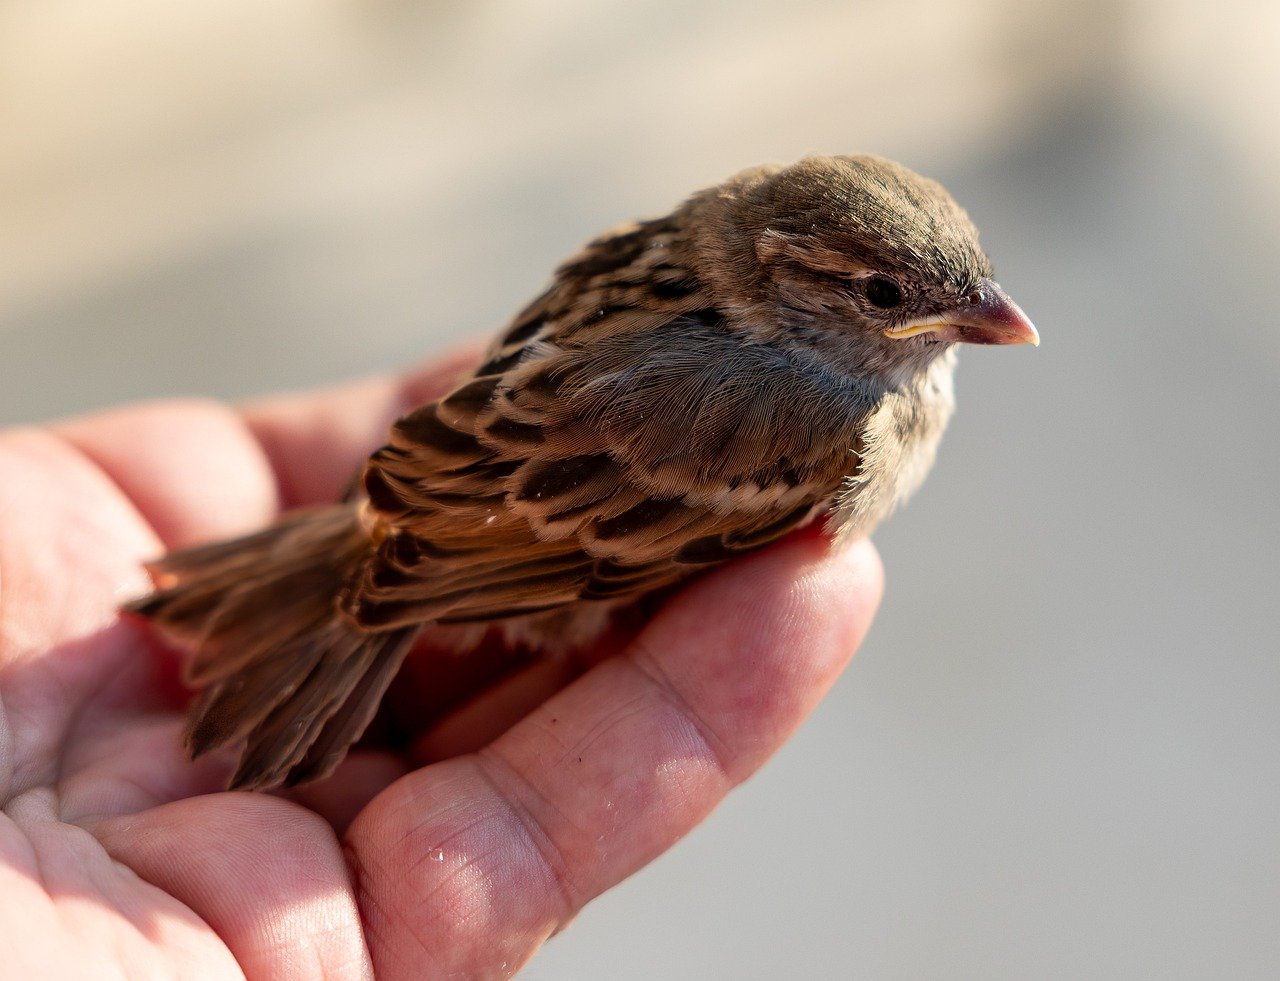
[1058, 755]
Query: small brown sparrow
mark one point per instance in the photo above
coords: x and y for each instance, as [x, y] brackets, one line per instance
[687, 389]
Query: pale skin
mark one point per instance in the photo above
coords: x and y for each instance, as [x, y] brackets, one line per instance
[459, 852]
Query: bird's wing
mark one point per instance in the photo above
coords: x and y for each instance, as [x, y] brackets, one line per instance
[617, 438]
[603, 471]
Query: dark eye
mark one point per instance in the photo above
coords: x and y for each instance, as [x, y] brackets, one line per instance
[883, 292]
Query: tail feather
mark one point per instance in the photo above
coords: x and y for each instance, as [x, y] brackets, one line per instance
[266, 612]
[193, 584]
[281, 667]
[280, 739]
[345, 725]
[229, 710]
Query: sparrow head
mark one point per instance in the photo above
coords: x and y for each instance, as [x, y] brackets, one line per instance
[859, 258]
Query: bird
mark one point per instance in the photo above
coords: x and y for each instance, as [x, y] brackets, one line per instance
[776, 350]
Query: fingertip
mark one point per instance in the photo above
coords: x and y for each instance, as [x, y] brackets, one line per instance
[187, 465]
[753, 647]
[807, 582]
[851, 578]
[267, 876]
[432, 380]
[317, 441]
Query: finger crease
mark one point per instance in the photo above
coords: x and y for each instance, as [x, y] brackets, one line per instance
[650, 668]
[551, 857]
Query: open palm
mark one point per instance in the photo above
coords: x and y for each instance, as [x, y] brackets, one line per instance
[459, 852]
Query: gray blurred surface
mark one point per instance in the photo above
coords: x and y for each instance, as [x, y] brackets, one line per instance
[1056, 756]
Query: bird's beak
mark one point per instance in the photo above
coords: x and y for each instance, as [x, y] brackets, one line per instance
[990, 317]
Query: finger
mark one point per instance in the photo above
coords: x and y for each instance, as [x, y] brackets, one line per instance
[199, 470]
[482, 719]
[479, 714]
[358, 779]
[191, 468]
[70, 911]
[418, 720]
[468, 866]
[317, 441]
[267, 876]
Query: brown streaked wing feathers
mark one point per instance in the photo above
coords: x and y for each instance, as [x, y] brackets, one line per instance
[610, 486]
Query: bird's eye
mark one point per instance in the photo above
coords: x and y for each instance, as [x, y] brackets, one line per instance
[883, 292]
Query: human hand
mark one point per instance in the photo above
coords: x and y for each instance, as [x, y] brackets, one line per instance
[454, 850]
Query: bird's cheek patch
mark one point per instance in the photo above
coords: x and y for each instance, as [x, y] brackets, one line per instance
[821, 257]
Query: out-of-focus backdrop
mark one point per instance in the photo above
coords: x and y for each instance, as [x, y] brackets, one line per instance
[1058, 755]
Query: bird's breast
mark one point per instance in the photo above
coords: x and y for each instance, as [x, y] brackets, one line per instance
[897, 447]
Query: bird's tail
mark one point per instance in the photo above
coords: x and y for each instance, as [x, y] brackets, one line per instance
[279, 665]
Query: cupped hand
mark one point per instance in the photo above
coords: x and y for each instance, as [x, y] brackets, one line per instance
[455, 852]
